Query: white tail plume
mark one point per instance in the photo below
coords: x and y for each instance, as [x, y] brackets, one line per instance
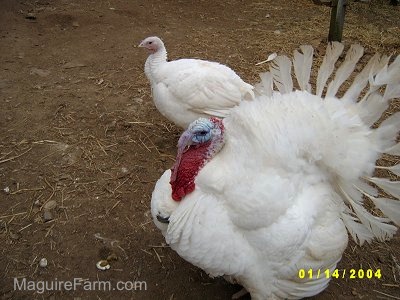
[390, 187]
[333, 52]
[388, 131]
[375, 63]
[302, 66]
[281, 72]
[344, 71]
[375, 77]
[266, 86]
[395, 169]
[389, 207]
[394, 150]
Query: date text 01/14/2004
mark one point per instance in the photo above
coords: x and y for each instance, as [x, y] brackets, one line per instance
[336, 273]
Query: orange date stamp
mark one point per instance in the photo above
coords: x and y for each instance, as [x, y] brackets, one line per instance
[339, 273]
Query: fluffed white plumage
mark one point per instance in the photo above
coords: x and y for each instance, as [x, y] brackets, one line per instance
[289, 182]
[186, 89]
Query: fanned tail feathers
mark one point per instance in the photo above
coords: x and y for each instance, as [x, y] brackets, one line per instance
[368, 97]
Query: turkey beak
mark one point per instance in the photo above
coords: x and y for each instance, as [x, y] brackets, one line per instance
[164, 220]
[184, 142]
[141, 45]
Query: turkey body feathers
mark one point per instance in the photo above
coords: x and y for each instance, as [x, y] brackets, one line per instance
[290, 182]
[281, 205]
[199, 88]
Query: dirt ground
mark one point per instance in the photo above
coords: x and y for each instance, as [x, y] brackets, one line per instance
[81, 143]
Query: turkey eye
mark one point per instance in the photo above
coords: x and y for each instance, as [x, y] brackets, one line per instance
[203, 132]
[150, 43]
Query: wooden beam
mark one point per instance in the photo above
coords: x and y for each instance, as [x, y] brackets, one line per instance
[337, 20]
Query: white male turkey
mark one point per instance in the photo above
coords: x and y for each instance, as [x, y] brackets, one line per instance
[272, 188]
[186, 89]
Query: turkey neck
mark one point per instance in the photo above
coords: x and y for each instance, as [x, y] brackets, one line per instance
[154, 61]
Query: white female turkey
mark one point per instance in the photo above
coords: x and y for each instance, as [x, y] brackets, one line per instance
[186, 89]
[272, 188]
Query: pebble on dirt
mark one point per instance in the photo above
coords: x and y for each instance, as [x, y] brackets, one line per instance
[43, 262]
[47, 216]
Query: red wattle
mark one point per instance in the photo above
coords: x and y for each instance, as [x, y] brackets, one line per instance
[192, 161]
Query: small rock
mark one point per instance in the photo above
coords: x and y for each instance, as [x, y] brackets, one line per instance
[47, 216]
[267, 15]
[75, 24]
[37, 202]
[6, 190]
[50, 205]
[30, 16]
[43, 262]
[277, 32]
